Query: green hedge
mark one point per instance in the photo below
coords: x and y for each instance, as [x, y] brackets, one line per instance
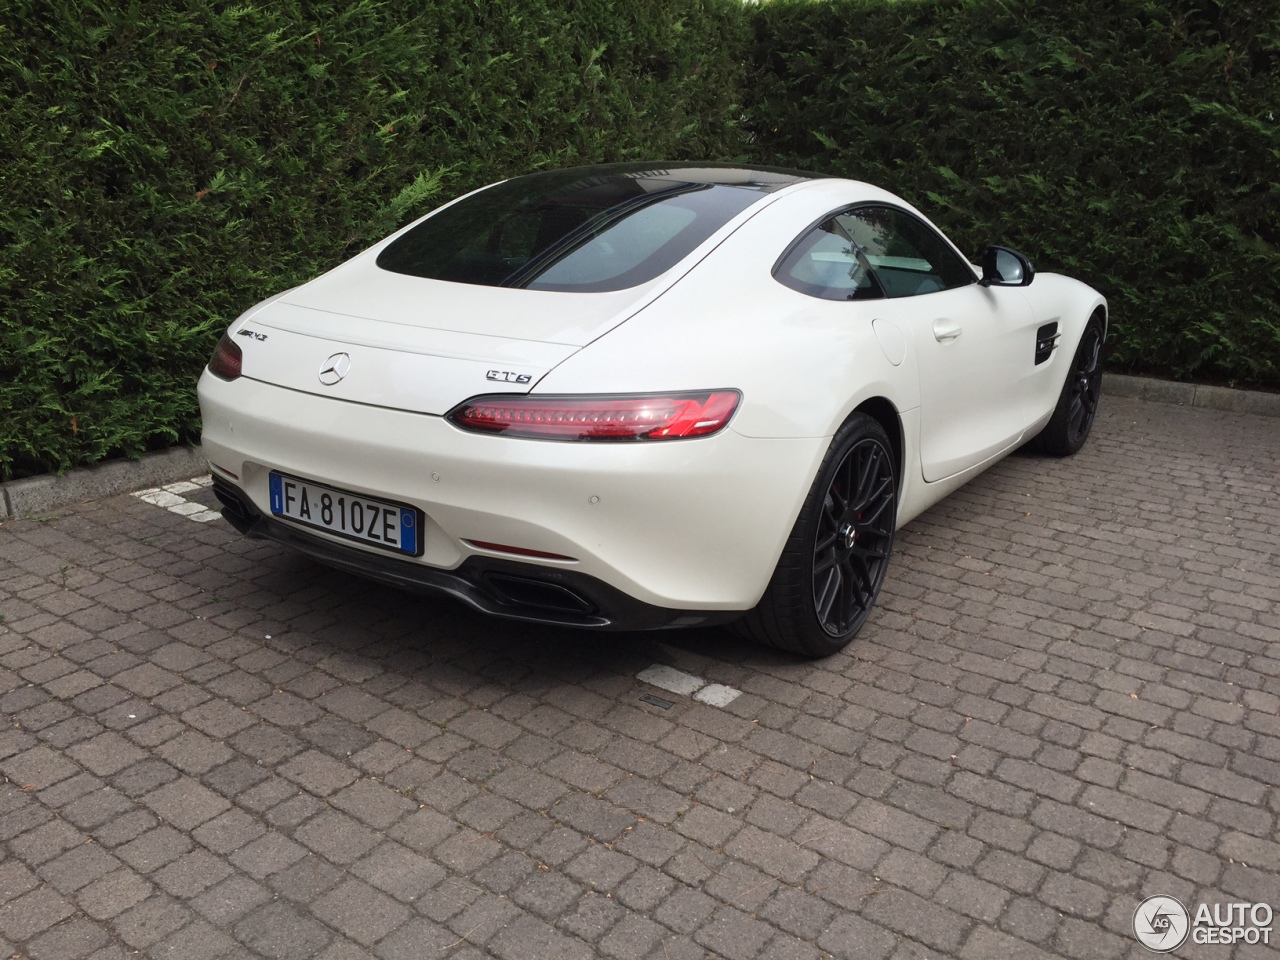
[1133, 144]
[163, 165]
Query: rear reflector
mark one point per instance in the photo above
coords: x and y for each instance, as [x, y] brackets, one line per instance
[657, 417]
[226, 359]
[516, 551]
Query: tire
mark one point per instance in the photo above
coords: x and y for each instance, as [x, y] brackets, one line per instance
[834, 562]
[1068, 428]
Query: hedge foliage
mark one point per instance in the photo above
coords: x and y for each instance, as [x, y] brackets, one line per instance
[1133, 144]
[163, 165]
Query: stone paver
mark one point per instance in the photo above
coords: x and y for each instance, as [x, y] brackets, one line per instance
[1068, 700]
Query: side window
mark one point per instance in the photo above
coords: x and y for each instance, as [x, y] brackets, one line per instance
[907, 256]
[827, 263]
[868, 252]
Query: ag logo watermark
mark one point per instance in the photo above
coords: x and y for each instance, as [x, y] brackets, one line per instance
[1162, 924]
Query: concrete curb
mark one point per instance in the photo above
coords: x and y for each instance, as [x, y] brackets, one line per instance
[1192, 395]
[36, 496]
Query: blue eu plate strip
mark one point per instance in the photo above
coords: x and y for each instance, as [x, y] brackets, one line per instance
[408, 531]
[277, 494]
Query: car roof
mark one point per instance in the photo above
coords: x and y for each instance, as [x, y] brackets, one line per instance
[763, 177]
[582, 229]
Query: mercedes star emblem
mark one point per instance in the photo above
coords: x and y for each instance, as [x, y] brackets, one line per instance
[335, 368]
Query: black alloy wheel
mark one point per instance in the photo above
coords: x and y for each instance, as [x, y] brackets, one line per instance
[854, 537]
[833, 564]
[1085, 381]
[1077, 407]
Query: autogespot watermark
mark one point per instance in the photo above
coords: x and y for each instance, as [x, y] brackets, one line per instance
[1162, 924]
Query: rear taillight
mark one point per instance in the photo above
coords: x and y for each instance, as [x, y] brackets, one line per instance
[659, 417]
[226, 359]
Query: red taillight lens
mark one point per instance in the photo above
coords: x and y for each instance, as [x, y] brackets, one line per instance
[226, 359]
[659, 417]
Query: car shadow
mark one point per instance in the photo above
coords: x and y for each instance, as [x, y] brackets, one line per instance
[334, 614]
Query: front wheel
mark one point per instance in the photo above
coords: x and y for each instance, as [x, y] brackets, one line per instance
[835, 560]
[1068, 428]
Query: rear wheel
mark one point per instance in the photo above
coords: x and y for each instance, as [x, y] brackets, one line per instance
[1068, 428]
[834, 562]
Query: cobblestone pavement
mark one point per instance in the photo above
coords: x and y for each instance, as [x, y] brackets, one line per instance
[1067, 701]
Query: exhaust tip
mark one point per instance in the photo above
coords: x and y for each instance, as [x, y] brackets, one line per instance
[538, 594]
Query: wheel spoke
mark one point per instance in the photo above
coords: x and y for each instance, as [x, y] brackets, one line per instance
[833, 507]
[838, 491]
[840, 612]
[867, 475]
[1075, 413]
[1095, 351]
[826, 599]
[861, 578]
[1088, 354]
[879, 500]
[1089, 404]
[872, 552]
[824, 563]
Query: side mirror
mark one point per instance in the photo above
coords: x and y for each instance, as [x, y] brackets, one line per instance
[1002, 267]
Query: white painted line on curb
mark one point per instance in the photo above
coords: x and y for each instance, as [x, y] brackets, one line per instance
[170, 498]
[717, 694]
[671, 679]
[160, 498]
[685, 684]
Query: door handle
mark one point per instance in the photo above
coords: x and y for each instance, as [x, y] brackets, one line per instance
[944, 330]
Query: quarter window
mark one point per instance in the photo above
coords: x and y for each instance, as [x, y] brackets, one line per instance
[827, 263]
[870, 252]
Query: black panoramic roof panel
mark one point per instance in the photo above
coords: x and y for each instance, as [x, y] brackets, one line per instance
[583, 229]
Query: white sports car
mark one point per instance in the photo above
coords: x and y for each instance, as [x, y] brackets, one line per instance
[637, 396]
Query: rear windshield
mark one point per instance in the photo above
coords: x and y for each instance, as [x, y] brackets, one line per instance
[567, 231]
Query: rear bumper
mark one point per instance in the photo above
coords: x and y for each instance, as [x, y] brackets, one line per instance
[503, 588]
[689, 525]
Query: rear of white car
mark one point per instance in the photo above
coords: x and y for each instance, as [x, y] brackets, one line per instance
[390, 422]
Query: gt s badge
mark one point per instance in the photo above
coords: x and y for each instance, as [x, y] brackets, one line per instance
[508, 376]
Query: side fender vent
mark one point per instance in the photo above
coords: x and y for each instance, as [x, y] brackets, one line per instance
[1046, 339]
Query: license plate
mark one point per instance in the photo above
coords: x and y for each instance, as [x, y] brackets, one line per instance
[367, 520]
